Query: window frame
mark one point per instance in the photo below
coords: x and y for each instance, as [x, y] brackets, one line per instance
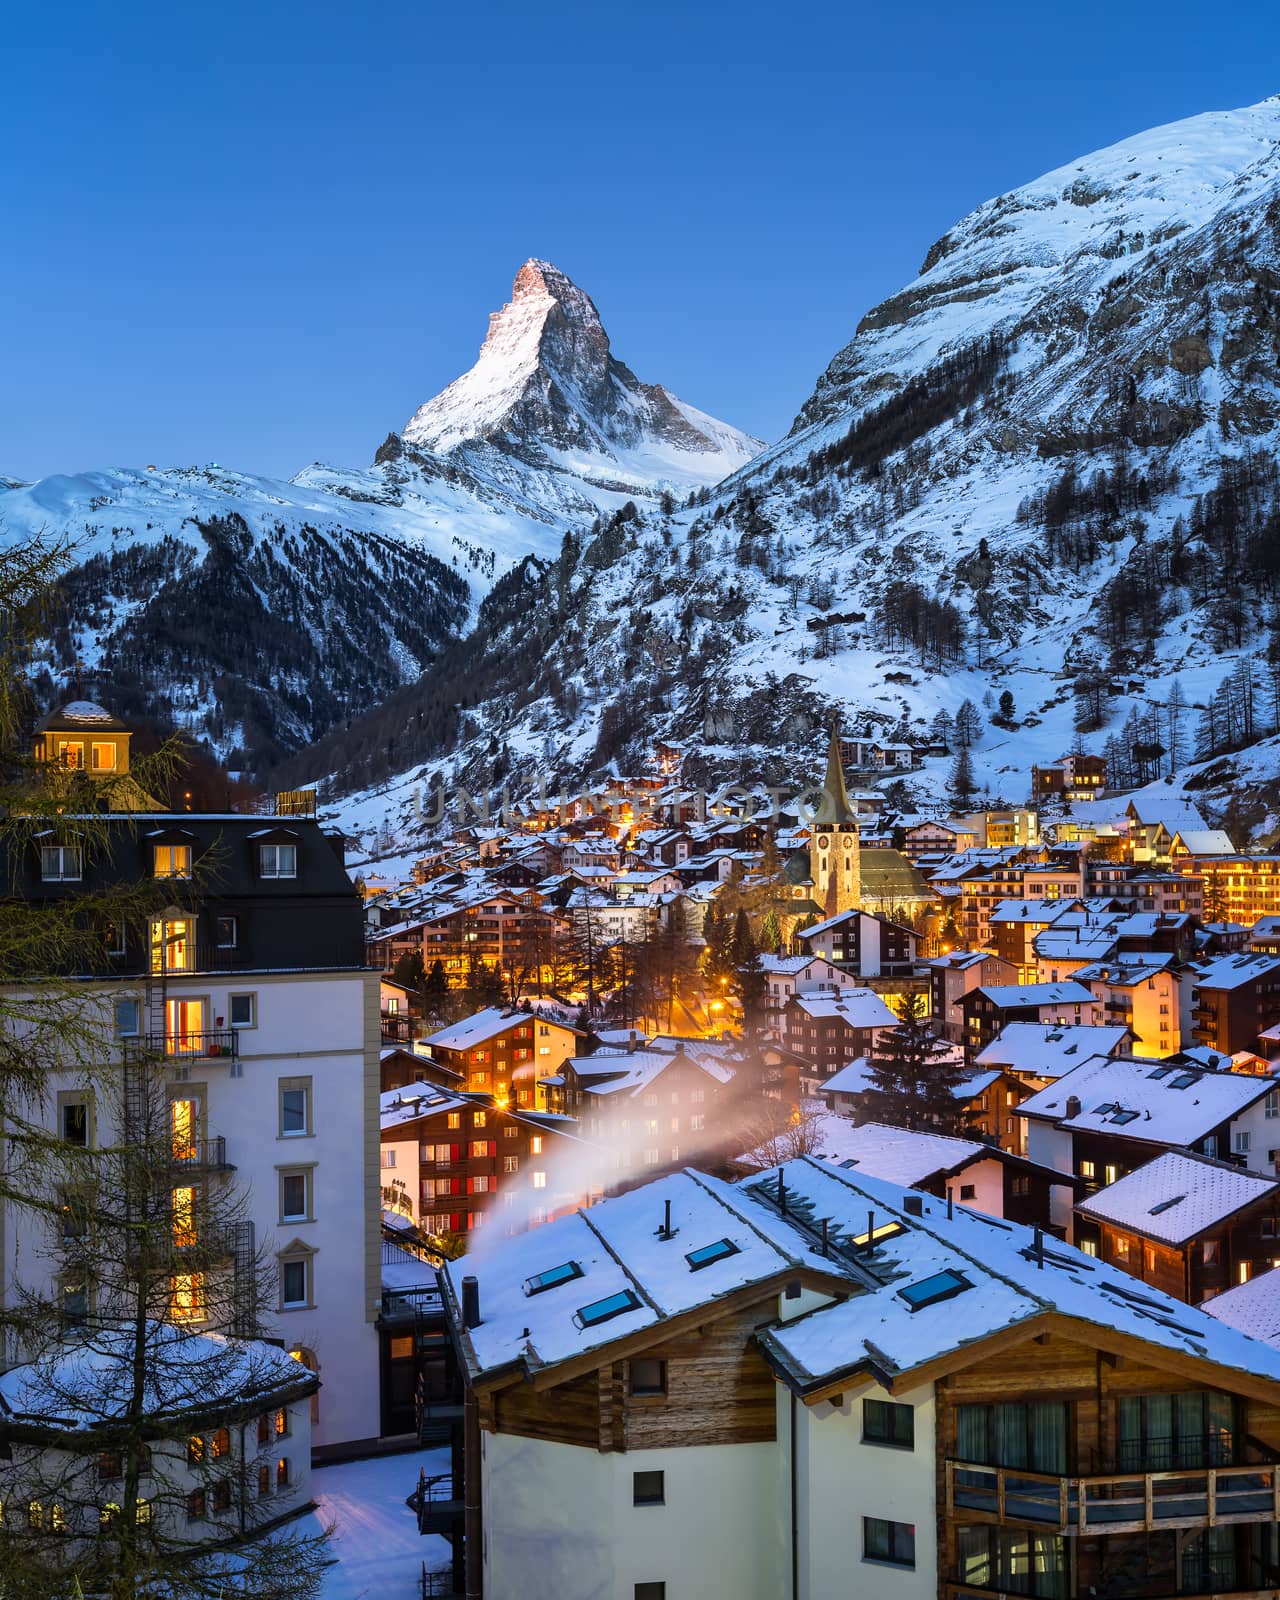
[306, 1174]
[649, 1487]
[276, 873]
[62, 875]
[890, 1412]
[888, 1557]
[242, 994]
[292, 1085]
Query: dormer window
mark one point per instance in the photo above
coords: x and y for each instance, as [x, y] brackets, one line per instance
[172, 860]
[172, 944]
[60, 863]
[278, 860]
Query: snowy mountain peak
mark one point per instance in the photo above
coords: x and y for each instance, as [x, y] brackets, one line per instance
[548, 391]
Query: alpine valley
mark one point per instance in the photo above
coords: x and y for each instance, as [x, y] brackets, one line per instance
[1045, 468]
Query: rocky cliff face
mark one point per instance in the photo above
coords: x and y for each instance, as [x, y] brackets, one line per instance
[1055, 446]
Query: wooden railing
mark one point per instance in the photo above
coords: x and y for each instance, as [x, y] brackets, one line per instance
[970, 1591]
[1117, 1502]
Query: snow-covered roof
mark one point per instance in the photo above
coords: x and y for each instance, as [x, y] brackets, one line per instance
[900, 1155]
[1229, 972]
[1177, 1197]
[88, 1380]
[398, 1106]
[478, 1027]
[1206, 841]
[1049, 911]
[1252, 1308]
[859, 1008]
[1010, 995]
[1048, 1049]
[1159, 1102]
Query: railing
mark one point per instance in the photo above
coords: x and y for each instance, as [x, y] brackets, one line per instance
[439, 1509]
[1121, 1502]
[401, 1303]
[204, 1155]
[187, 1045]
[396, 1028]
[1132, 1591]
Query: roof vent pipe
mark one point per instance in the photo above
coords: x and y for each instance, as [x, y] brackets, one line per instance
[470, 1302]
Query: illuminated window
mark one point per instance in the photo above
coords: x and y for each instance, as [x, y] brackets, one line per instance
[183, 1118]
[184, 1027]
[102, 756]
[539, 1180]
[71, 754]
[184, 1216]
[172, 860]
[186, 1297]
[282, 1473]
[172, 947]
[535, 1145]
[220, 1443]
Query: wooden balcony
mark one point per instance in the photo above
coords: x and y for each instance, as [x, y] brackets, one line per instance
[1117, 1502]
[969, 1591]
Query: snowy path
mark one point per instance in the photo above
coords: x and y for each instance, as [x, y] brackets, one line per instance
[376, 1545]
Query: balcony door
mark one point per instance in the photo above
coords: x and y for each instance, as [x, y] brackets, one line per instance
[186, 1116]
[184, 1026]
[1031, 1436]
[1166, 1432]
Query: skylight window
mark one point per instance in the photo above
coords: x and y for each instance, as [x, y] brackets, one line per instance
[1106, 1108]
[1160, 1072]
[1166, 1205]
[1122, 1117]
[552, 1278]
[929, 1291]
[882, 1230]
[614, 1305]
[708, 1254]
[1184, 1080]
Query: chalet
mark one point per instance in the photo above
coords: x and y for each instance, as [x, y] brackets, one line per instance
[1252, 1307]
[505, 1053]
[1190, 1226]
[1073, 777]
[808, 974]
[933, 838]
[647, 1109]
[452, 1162]
[1264, 936]
[400, 1066]
[1015, 925]
[829, 1030]
[864, 945]
[817, 1383]
[955, 975]
[1234, 999]
[990, 1007]
[1112, 1114]
[986, 1101]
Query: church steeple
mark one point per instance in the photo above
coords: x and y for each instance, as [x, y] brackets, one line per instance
[835, 862]
[835, 799]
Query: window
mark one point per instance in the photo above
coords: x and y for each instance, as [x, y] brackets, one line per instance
[184, 1121]
[186, 1297]
[1209, 1252]
[226, 932]
[278, 860]
[264, 1481]
[1267, 1228]
[1168, 1432]
[282, 1473]
[280, 1423]
[172, 946]
[1021, 1187]
[60, 863]
[511, 1163]
[650, 1591]
[1014, 1562]
[388, 1157]
[222, 1495]
[172, 860]
[894, 1542]
[1088, 1169]
[697, 1123]
[128, 1017]
[220, 1443]
[483, 1147]
[1032, 1435]
[886, 1422]
[184, 1027]
[75, 1123]
[294, 1285]
[511, 1132]
[535, 1145]
[1240, 1142]
[968, 1191]
[102, 756]
[1271, 1105]
[929, 1291]
[195, 1450]
[196, 1506]
[478, 1119]
[647, 1375]
[552, 1277]
[648, 1488]
[295, 1108]
[479, 1185]
[242, 1010]
[184, 1217]
[706, 1255]
[614, 1305]
[295, 1197]
[539, 1180]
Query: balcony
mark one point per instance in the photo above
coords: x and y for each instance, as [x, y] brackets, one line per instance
[438, 1505]
[1117, 1502]
[397, 1028]
[399, 1305]
[202, 1155]
[192, 1045]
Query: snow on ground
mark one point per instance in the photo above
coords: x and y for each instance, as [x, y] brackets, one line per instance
[376, 1547]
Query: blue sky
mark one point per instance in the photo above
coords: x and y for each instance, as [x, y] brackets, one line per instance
[262, 234]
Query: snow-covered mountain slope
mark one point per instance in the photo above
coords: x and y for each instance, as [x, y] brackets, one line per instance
[1055, 447]
[319, 597]
[547, 394]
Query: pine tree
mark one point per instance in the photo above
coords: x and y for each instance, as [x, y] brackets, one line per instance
[962, 783]
[748, 974]
[771, 934]
[436, 994]
[915, 1075]
[968, 724]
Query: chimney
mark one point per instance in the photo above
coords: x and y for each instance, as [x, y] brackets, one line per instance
[470, 1302]
[913, 1205]
[1073, 1106]
[631, 1042]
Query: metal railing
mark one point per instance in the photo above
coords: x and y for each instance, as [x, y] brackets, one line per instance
[203, 1155]
[437, 1504]
[1117, 1502]
[188, 1044]
[398, 1304]
[396, 1028]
